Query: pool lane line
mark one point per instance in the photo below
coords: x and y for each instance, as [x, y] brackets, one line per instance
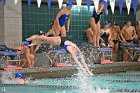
[133, 75]
[105, 80]
[122, 81]
[72, 87]
[42, 86]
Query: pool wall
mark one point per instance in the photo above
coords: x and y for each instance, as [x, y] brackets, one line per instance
[55, 72]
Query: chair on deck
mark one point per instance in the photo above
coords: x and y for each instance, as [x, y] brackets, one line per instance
[9, 55]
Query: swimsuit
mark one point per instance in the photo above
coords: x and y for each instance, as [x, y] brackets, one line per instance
[115, 41]
[63, 39]
[63, 18]
[129, 41]
[51, 35]
[96, 16]
[105, 37]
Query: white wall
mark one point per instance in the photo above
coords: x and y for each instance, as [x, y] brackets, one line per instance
[11, 23]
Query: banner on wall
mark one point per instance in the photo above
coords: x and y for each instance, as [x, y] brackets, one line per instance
[135, 3]
[29, 2]
[105, 4]
[112, 4]
[128, 5]
[70, 3]
[15, 1]
[38, 3]
[60, 2]
[120, 5]
[96, 3]
[79, 2]
[88, 4]
[49, 3]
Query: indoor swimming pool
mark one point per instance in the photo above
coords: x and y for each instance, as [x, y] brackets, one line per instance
[127, 82]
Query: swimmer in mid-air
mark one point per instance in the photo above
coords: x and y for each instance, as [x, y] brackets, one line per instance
[67, 45]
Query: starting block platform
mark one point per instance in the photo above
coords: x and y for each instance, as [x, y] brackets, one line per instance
[63, 65]
[106, 62]
[137, 53]
[8, 68]
[103, 55]
[64, 56]
[132, 49]
[128, 45]
[10, 56]
[106, 56]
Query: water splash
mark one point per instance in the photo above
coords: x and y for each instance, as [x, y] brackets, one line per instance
[8, 78]
[89, 52]
[86, 85]
[3, 90]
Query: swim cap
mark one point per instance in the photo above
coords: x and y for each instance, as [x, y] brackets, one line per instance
[26, 43]
[18, 75]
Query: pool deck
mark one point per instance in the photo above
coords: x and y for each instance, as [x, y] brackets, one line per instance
[58, 72]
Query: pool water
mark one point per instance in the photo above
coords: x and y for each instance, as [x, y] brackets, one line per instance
[127, 82]
[25, 89]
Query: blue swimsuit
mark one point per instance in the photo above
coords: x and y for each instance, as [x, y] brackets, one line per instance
[96, 16]
[63, 39]
[63, 18]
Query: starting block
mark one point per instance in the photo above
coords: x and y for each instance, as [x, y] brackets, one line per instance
[12, 68]
[63, 65]
[106, 56]
[106, 62]
[137, 53]
[5, 55]
[138, 60]
[64, 56]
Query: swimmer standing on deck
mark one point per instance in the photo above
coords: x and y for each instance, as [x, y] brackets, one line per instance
[95, 23]
[128, 32]
[62, 17]
[114, 38]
